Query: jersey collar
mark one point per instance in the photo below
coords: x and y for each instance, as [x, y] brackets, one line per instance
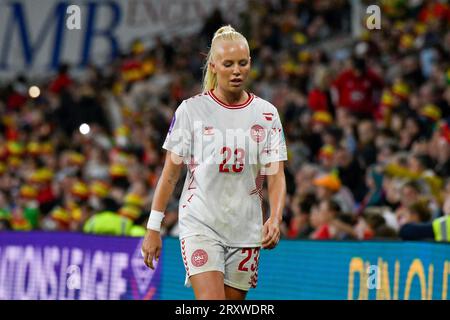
[250, 98]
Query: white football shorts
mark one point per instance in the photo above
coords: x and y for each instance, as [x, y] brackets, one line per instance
[239, 265]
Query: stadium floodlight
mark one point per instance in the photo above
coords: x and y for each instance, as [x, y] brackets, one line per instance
[84, 128]
[34, 92]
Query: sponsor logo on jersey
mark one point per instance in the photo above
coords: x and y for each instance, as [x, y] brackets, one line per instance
[208, 131]
[257, 133]
[268, 116]
[199, 258]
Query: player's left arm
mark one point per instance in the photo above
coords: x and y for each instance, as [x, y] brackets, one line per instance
[276, 185]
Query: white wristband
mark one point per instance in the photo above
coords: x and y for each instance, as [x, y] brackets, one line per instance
[154, 221]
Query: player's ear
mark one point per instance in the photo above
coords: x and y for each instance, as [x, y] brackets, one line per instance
[212, 66]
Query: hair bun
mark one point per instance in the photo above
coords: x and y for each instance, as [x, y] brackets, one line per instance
[224, 30]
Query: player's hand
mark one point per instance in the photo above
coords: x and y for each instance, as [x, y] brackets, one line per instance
[151, 247]
[271, 233]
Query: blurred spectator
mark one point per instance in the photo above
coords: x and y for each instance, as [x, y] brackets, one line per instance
[373, 224]
[299, 227]
[410, 194]
[356, 88]
[350, 172]
[375, 195]
[319, 98]
[417, 223]
[329, 187]
[321, 217]
[16, 94]
[62, 81]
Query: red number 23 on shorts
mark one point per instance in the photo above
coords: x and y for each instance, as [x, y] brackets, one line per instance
[250, 252]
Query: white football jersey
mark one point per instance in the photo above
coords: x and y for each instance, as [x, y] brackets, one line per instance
[225, 148]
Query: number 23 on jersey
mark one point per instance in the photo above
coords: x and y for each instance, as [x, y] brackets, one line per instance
[238, 155]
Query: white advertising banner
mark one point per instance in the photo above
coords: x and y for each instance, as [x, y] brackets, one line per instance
[37, 35]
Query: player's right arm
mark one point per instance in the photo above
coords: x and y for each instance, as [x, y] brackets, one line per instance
[151, 247]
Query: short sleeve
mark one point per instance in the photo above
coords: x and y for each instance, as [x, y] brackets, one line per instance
[179, 136]
[275, 146]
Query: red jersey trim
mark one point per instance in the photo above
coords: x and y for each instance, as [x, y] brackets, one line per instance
[251, 96]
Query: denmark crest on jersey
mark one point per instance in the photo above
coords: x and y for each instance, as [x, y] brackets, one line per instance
[257, 133]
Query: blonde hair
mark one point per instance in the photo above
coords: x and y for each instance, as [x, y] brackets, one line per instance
[223, 33]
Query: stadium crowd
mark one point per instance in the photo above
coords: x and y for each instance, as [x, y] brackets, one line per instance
[367, 125]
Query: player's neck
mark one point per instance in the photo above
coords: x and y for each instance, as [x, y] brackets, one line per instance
[231, 97]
